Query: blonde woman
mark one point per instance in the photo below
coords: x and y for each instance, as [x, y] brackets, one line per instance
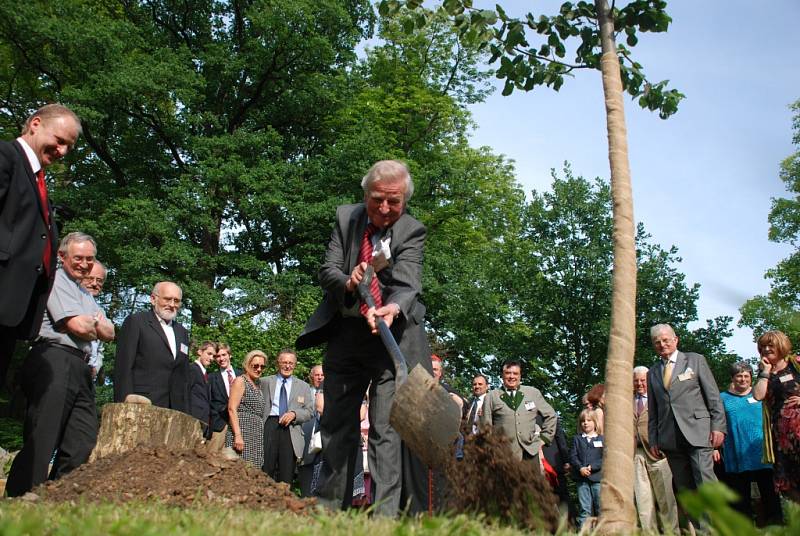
[246, 411]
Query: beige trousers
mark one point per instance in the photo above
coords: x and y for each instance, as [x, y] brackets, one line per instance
[652, 490]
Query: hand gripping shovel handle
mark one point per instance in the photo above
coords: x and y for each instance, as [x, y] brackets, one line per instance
[400, 364]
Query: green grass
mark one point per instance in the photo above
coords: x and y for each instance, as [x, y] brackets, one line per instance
[10, 434]
[18, 518]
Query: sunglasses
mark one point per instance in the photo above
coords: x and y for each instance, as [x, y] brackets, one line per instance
[258, 367]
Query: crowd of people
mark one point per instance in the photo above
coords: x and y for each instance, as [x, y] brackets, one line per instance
[333, 433]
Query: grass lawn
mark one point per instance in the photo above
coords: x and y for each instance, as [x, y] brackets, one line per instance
[18, 518]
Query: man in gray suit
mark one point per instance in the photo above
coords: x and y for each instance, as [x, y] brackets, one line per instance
[512, 411]
[289, 404]
[355, 355]
[686, 419]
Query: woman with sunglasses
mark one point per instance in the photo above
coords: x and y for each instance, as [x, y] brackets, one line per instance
[246, 411]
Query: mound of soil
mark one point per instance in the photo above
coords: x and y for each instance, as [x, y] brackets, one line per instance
[490, 480]
[177, 478]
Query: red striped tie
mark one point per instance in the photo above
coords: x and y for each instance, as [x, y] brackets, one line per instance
[46, 256]
[365, 255]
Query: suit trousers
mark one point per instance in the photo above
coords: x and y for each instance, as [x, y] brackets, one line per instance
[279, 460]
[355, 358]
[61, 416]
[690, 465]
[27, 329]
[652, 491]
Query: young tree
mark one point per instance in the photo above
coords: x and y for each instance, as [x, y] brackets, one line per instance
[525, 66]
[779, 308]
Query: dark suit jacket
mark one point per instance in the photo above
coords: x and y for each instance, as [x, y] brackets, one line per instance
[219, 400]
[401, 283]
[23, 236]
[199, 395]
[692, 402]
[145, 366]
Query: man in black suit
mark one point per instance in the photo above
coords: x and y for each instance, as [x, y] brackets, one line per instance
[153, 353]
[199, 388]
[28, 234]
[220, 386]
[355, 355]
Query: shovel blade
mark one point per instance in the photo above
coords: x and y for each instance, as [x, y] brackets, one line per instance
[426, 417]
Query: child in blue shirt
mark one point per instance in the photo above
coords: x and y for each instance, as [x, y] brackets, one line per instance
[586, 458]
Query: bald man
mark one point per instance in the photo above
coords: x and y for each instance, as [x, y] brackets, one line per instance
[153, 352]
[28, 234]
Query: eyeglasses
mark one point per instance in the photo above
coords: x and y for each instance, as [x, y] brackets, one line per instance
[98, 280]
[174, 301]
[258, 367]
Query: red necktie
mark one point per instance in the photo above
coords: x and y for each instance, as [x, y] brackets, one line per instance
[230, 380]
[46, 256]
[365, 255]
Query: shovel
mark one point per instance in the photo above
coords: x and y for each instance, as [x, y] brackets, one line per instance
[422, 411]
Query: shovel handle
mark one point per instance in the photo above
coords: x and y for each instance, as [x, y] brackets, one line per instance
[400, 363]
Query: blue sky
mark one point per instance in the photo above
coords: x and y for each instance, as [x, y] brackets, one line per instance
[702, 180]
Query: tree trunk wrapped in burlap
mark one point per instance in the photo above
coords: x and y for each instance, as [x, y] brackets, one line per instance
[124, 426]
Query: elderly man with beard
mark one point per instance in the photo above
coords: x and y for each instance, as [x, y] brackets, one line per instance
[153, 353]
[56, 377]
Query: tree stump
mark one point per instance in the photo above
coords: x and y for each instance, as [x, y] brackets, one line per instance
[125, 426]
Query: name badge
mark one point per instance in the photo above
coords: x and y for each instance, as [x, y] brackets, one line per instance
[786, 378]
[597, 444]
[184, 348]
[529, 406]
[752, 400]
[301, 399]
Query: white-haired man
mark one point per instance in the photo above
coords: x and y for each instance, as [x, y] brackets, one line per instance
[686, 419]
[153, 352]
[355, 357]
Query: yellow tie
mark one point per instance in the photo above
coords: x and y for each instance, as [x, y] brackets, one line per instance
[667, 373]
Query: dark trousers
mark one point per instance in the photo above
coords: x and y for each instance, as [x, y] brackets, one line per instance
[61, 416]
[356, 357]
[8, 341]
[770, 502]
[279, 458]
[27, 329]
